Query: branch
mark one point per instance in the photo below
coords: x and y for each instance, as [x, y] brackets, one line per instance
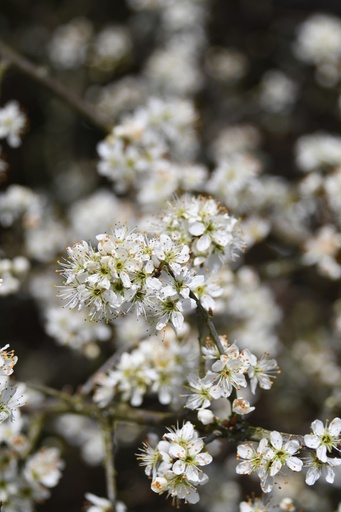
[241, 431]
[109, 463]
[77, 404]
[41, 75]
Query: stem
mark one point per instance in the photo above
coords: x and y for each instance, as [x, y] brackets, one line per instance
[205, 315]
[41, 75]
[242, 431]
[211, 327]
[110, 472]
[77, 404]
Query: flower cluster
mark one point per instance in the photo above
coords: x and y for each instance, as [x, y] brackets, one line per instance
[268, 458]
[151, 275]
[25, 479]
[148, 152]
[271, 454]
[29, 481]
[158, 366]
[175, 463]
[213, 235]
[72, 329]
[12, 273]
[324, 440]
[318, 42]
[9, 399]
[74, 44]
[227, 373]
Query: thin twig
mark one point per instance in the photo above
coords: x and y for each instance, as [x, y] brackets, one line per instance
[211, 327]
[109, 461]
[41, 75]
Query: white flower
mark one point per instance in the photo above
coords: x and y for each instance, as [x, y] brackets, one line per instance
[69, 43]
[261, 371]
[200, 396]
[317, 468]
[281, 454]
[253, 458]
[228, 372]
[12, 123]
[242, 406]
[287, 504]
[102, 504]
[44, 467]
[268, 459]
[254, 505]
[7, 361]
[175, 464]
[9, 403]
[324, 438]
[319, 39]
[176, 486]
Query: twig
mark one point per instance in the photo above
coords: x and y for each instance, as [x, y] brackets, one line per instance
[109, 462]
[41, 75]
[211, 327]
[89, 384]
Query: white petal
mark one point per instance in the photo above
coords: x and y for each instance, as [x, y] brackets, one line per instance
[196, 229]
[203, 243]
[329, 474]
[313, 474]
[294, 463]
[335, 427]
[276, 439]
[177, 451]
[245, 451]
[179, 467]
[311, 441]
[203, 459]
[244, 468]
[275, 467]
[321, 453]
[318, 427]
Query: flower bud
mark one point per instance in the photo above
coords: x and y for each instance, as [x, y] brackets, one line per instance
[205, 416]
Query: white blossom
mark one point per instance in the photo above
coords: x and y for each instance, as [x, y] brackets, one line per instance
[324, 438]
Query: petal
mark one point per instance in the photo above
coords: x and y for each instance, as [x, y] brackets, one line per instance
[294, 463]
[291, 447]
[313, 474]
[275, 467]
[196, 229]
[177, 451]
[244, 468]
[245, 451]
[335, 427]
[276, 440]
[192, 474]
[203, 243]
[311, 441]
[318, 427]
[321, 453]
[328, 474]
[177, 320]
[179, 467]
[203, 459]
[196, 447]
[188, 431]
